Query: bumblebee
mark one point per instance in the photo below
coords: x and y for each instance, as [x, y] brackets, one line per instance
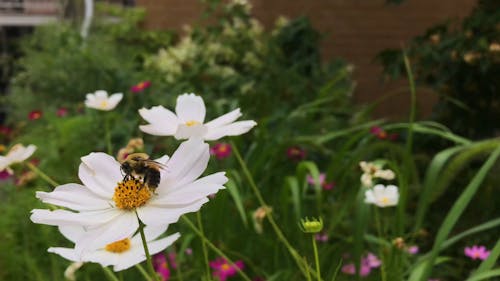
[139, 166]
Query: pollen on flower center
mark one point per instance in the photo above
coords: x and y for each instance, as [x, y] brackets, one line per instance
[225, 267]
[192, 123]
[131, 194]
[118, 246]
[384, 200]
[104, 104]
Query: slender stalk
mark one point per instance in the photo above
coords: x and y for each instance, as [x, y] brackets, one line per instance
[300, 263]
[109, 147]
[381, 250]
[214, 248]
[316, 257]
[41, 174]
[109, 274]
[413, 103]
[203, 245]
[146, 251]
[143, 272]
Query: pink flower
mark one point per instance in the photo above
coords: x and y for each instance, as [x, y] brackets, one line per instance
[223, 270]
[62, 111]
[35, 115]
[381, 134]
[321, 237]
[172, 259]
[141, 86]
[350, 269]
[295, 153]
[221, 150]
[322, 181]
[477, 252]
[189, 251]
[161, 266]
[412, 250]
[4, 130]
[5, 174]
[371, 260]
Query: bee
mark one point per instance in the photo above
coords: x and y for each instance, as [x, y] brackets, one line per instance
[139, 166]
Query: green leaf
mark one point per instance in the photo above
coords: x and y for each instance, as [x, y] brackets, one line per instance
[235, 194]
[484, 275]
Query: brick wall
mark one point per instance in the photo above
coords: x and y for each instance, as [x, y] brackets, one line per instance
[355, 30]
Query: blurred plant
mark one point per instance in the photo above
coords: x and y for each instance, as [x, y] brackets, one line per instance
[462, 65]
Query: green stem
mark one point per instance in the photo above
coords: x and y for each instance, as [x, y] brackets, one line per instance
[214, 248]
[300, 263]
[108, 136]
[316, 257]
[381, 250]
[41, 174]
[203, 245]
[143, 272]
[413, 103]
[109, 274]
[146, 250]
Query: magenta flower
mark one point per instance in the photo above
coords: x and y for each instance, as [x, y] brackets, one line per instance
[223, 269]
[295, 153]
[141, 86]
[62, 111]
[161, 266]
[5, 174]
[371, 260]
[350, 269]
[4, 130]
[412, 250]
[321, 237]
[381, 134]
[322, 181]
[221, 150]
[477, 252]
[35, 115]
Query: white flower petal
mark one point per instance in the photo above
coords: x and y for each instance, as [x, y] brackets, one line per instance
[157, 215]
[73, 196]
[101, 94]
[233, 129]
[186, 164]
[100, 173]
[4, 163]
[185, 132]
[224, 119]
[119, 228]
[67, 253]
[192, 191]
[163, 122]
[114, 99]
[64, 217]
[190, 107]
[72, 232]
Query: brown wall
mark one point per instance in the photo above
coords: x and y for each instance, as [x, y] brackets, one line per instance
[355, 30]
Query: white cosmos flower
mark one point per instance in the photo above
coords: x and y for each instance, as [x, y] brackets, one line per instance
[120, 254]
[373, 170]
[382, 196]
[100, 100]
[108, 210]
[18, 153]
[188, 121]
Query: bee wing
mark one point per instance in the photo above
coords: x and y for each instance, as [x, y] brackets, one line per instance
[153, 162]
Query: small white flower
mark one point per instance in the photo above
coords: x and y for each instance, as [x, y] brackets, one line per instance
[107, 206]
[120, 254]
[18, 153]
[382, 196]
[100, 100]
[188, 121]
[373, 170]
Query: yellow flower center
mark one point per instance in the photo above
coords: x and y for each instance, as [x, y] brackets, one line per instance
[192, 123]
[118, 246]
[384, 200]
[131, 194]
[225, 267]
[104, 104]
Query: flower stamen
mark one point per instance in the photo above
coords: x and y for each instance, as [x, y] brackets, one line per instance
[131, 194]
[192, 123]
[118, 246]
